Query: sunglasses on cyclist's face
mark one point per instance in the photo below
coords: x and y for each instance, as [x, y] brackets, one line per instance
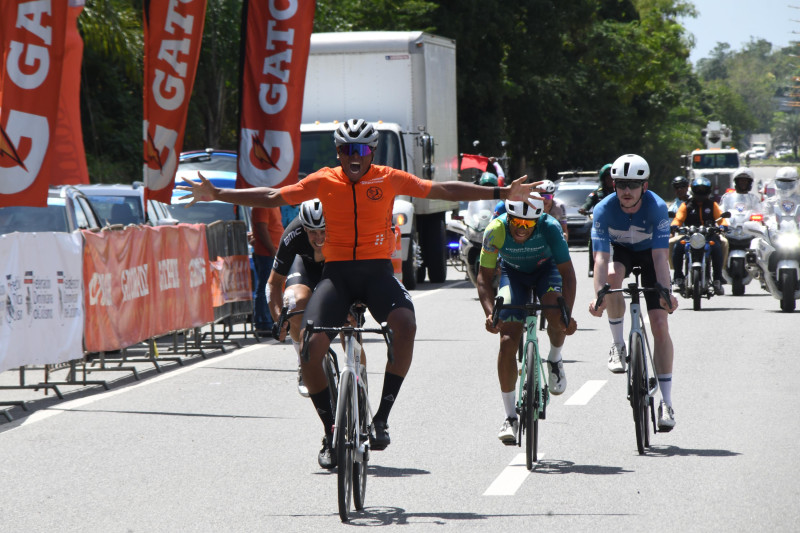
[522, 222]
[355, 149]
[632, 185]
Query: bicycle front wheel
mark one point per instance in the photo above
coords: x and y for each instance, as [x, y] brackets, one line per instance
[532, 406]
[360, 466]
[639, 403]
[345, 426]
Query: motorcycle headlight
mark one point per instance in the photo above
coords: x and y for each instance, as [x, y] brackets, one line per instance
[788, 240]
[697, 241]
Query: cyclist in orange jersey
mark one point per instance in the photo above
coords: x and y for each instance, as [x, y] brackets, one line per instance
[357, 199]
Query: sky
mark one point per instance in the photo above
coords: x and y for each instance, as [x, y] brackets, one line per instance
[735, 21]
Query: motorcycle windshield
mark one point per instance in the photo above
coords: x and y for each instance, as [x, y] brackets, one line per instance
[480, 213]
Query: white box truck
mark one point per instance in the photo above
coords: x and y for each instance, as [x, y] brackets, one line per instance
[405, 84]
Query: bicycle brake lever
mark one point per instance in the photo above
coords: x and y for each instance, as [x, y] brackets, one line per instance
[306, 338]
[498, 302]
[602, 294]
[388, 335]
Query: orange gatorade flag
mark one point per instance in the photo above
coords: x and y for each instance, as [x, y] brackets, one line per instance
[276, 37]
[173, 33]
[69, 163]
[32, 46]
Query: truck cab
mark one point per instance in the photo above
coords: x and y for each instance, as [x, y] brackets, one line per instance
[716, 164]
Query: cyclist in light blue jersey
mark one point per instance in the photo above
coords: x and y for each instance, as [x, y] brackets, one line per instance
[533, 254]
[633, 223]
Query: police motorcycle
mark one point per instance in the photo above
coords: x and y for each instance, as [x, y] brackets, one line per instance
[697, 260]
[744, 206]
[775, 256]
[475, 220]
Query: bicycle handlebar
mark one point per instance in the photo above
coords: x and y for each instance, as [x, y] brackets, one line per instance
[530, 308]
[664, 293]
[384, 330]
[284, 316]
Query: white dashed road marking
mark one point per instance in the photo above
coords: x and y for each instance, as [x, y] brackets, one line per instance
[586, 393]
[511, 478]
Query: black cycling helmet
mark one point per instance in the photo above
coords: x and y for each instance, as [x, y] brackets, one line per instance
[356, 130]
[680, 181]
[311, 214]
[701, 189]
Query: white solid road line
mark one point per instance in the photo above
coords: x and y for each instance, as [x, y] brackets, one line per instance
[59, 408]
[511, 478]
[586, 393]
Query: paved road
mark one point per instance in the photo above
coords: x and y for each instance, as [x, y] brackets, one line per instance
[227, 444]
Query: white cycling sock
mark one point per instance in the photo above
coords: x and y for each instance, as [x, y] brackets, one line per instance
[510, 403]
[617, 326]
[555, 354]
[665, 385]
[297, 349]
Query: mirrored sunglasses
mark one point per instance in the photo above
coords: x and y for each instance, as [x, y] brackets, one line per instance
[632, 185]
[356, 149]
[522, 222]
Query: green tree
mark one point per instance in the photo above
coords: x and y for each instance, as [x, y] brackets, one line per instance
[787, 130]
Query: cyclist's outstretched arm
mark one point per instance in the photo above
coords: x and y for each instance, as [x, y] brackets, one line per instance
[205, 191]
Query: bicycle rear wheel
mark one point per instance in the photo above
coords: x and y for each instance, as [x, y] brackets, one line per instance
[531, 398]
[639, 403]
[345, 425]
[360, 467]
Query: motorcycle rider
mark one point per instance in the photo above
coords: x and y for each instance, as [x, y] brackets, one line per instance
[786, 195]
[741, 199]
[634, 223]
[681, 186]
[699, 210]
[534, 254]
[595, 197]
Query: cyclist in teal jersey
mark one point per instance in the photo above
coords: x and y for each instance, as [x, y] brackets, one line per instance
[535, 255]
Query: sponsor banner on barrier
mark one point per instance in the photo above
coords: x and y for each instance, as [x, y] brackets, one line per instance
[31, 56]
[230, 279]
[173, 33]
[276, 37]
[142, 282]
[41, 292]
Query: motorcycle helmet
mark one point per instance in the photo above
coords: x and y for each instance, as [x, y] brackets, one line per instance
[604, 171]
[630, 167]
[743, 180]
[521, 209]
[786, 181]
[548, 186]
[701, 189]
[680, 181]
[488, 180]
[311, 216]
[356, 130]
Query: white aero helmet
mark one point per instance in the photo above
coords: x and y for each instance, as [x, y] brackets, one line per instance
[522, 209]
[356, 130]
[630, 167]
[786, 181]
[311, 216]
[548, 186]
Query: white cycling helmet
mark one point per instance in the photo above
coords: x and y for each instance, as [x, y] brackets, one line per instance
[548, 186]
[311, 216]
[356, 130]
[521, 209]
[786, 181]
[630, 167]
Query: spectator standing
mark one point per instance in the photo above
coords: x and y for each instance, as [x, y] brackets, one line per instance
[265, 237]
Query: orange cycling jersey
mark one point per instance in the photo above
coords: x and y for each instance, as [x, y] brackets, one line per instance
[358, 216]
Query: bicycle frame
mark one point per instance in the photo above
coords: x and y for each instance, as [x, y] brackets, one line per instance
[531, 338]
[638, 333]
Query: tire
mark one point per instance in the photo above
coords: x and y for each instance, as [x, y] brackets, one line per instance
[434, 252]
[638, 386]
[788, 283]
[737, 286]
[360, 467]
[697, 295]
[532, 406]
[345, 426]
[410, 265]
[332, 375]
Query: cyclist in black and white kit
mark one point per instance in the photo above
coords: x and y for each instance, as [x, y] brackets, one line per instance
[296, 271]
